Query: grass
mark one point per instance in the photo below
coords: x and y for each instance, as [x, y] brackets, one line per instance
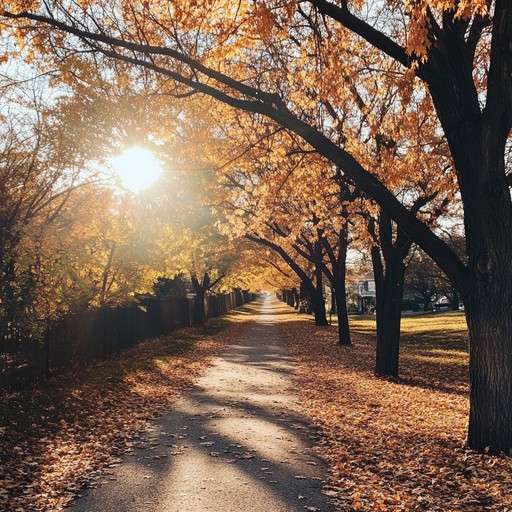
[428, 333]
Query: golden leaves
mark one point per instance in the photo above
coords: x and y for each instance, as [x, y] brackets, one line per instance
[396, 446]
[423, 13]
[64, 437]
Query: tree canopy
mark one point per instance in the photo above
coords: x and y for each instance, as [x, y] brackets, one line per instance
[399, 96]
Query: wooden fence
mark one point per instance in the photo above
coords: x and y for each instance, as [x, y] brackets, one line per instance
[78, 339]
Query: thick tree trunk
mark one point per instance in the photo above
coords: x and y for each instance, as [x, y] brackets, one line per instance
[319, 311]
[389, 287]
[341, 312]
[489, 316]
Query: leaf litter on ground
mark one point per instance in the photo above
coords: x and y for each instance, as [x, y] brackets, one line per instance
[61, 436]
[396, 444]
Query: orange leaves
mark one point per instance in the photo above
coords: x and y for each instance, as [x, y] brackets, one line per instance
[395, 446]
[60, 438]
[424, 13]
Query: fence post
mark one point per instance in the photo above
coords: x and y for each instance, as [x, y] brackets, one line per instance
[47, 346]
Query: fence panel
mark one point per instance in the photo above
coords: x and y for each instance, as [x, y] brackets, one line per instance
[77, 339]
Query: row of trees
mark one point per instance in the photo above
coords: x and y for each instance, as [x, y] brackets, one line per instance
[394, 108]
[70, 237]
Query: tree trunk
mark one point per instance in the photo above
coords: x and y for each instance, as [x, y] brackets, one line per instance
[317, 300]
[455, 300]
[389, 288]
[295, 294]
[477, 141]
[341, 312]
[489, 317]
[339, 285]
[199, 306]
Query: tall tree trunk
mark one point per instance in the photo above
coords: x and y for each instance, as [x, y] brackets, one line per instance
[339, 267]
[389, 274]
[489, 317]
[389, 316]
[317, 299]
[341, 312]
[337, 277]
[477, 138]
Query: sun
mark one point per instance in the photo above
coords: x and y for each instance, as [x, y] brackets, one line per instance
[137, 168]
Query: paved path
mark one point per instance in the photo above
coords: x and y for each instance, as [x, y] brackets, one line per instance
[236, 442]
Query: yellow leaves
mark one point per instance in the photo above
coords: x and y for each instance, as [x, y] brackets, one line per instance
[396, 445]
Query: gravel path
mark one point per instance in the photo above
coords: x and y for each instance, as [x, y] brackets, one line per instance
[236, 442]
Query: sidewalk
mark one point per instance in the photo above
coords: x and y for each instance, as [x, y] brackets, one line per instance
[235, 442]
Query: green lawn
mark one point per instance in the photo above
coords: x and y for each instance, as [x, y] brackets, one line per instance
[446, 330]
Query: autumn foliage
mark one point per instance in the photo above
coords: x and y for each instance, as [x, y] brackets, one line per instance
[396, 445]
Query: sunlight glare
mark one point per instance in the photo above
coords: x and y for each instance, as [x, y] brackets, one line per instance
[137, 168]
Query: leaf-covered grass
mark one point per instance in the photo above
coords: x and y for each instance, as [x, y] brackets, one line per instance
[58, 437]
[439, 331]
[427, 342]
[397, 445]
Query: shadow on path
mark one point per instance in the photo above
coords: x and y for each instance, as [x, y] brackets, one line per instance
[235, 442]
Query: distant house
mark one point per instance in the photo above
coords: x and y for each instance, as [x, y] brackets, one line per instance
[366, 295]
[361, 295]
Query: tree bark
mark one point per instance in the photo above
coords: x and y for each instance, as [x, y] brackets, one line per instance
[489, 317]
[295, 294]
[199, 306]
[455, 300]
[389, 290]
[389, 296]
[341, 313]
[337, 277]
[317, 300]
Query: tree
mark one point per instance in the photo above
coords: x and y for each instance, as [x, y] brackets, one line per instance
[422, 279]
[41, 170]
[170, 288]
[265, 192]
[426, 279]
[460, 51]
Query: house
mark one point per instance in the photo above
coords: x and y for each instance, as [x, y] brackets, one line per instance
[366, 295]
